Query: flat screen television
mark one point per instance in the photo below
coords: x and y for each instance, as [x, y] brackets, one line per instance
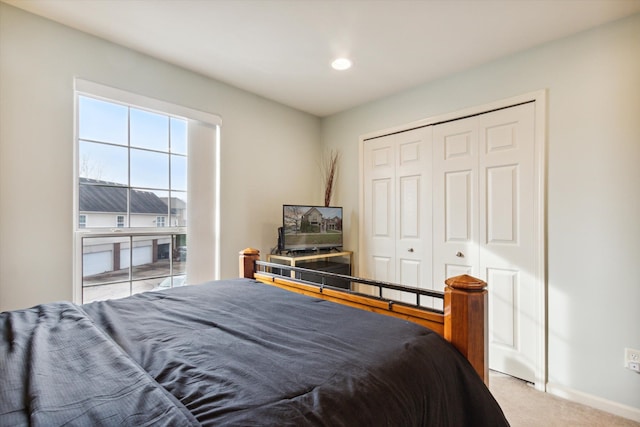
[307, 228]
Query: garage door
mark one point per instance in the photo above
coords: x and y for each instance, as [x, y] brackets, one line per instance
[96, 263]
[141, 255]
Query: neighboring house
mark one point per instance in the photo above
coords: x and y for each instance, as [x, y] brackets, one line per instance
[314, 218]
[334, 223]
[178, 211]
[104, 204]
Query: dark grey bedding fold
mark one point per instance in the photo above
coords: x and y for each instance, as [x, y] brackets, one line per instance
[242, 353]
[57, 368]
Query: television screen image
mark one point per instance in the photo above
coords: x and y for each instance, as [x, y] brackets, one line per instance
[311, 227]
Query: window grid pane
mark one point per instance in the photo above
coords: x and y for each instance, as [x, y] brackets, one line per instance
[103, 162]
[102, 121]
[149, 130]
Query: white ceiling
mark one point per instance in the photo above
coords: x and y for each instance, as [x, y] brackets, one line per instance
[282, 49]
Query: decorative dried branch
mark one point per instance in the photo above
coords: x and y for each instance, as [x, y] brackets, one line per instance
[329, 170]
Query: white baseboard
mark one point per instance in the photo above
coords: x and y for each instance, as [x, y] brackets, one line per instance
[615, 408]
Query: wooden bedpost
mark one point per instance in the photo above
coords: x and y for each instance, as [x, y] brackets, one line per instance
[248, 258]
[465, 303]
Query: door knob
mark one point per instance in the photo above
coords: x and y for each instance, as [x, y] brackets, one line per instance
[410, 249]
[460, 255]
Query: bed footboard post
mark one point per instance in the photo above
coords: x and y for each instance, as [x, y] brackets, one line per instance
[466, 320]
[248, 258]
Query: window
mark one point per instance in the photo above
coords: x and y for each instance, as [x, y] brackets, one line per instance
[132, 162]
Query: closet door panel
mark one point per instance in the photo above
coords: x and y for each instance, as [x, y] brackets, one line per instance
[413, 207]
[409, 274]
[503, 320]
[455, 200]
[502, 216]
[382, 267]
[382, 208]
[507, 257]
[409, 207]
[378, 260]
[458, 211]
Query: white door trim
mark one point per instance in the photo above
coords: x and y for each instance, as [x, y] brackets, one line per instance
[540, 170]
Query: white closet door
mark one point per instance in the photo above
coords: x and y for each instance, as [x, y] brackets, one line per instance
[455, 200]
[507, 243]
[413, 210]
[397, 213]
[378, 259]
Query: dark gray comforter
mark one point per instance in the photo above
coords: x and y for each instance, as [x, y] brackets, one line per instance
[233, 352]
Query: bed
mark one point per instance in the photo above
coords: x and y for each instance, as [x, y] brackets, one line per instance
[245, 352]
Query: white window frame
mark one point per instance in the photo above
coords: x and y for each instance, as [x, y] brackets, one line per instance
[120, 223]
[203, 119]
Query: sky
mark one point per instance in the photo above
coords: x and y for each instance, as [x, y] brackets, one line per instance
[111, 135]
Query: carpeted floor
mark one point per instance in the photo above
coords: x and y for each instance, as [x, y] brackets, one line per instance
[525, 406]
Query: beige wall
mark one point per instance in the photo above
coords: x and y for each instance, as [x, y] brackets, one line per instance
[593, 196]
[268, 151]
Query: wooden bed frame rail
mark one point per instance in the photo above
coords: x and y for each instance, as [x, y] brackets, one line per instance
[464, 321]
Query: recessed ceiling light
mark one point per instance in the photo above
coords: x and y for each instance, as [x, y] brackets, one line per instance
[341, 64]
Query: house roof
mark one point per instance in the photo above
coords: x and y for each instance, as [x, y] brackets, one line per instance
[176, 203]
[104, 196]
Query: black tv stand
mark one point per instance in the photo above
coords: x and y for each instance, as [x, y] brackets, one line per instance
[334, 262]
